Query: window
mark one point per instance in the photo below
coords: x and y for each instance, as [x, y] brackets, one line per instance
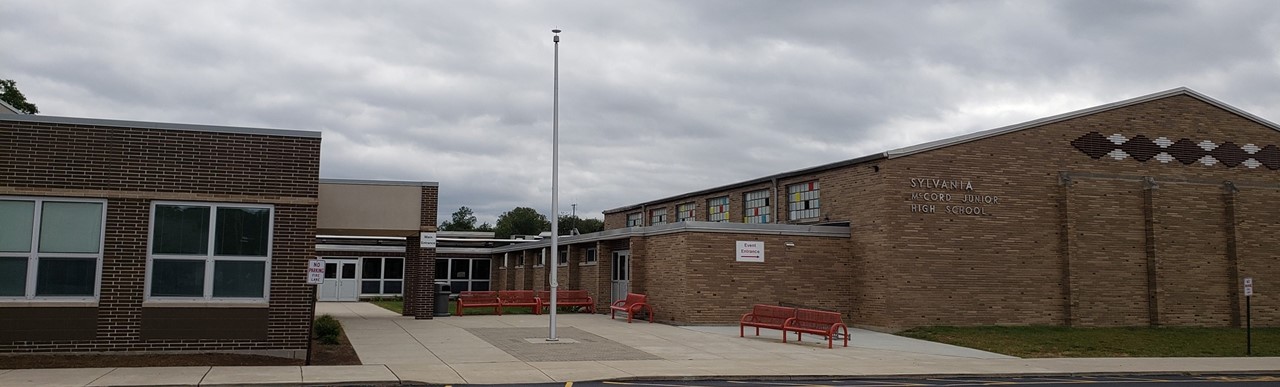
[634, 219]
[684, 212]
[591, 255]
[382, 276]
[756, 207]
[718, 209]
[658, 216]
[464, 274]
[203, 251]
[802, 201]
[542, 257]
[563, 260]
[50, 248]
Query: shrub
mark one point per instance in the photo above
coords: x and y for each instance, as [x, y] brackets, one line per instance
[327, 329]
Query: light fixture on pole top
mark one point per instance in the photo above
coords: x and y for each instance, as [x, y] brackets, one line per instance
[555, 183]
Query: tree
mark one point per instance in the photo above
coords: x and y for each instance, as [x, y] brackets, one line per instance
[521, 221]
[485, 227]
[463, 220]
[9, 94]
[584, 226]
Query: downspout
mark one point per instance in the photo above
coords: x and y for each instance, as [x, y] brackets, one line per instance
[777, 206]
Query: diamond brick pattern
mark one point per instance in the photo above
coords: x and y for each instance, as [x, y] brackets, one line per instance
[1186, 151]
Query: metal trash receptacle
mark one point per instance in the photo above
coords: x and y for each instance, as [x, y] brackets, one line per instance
[442, 300]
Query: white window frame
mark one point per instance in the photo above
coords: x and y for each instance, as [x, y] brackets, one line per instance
[33, 255]
[589, 256]
[209, 257]
[635, 219]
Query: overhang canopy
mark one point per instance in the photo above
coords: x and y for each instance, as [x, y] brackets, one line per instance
[370, 208]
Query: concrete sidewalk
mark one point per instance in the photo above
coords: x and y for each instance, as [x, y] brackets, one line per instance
[513, 349]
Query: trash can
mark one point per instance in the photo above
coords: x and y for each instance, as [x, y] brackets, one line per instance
[442, 300]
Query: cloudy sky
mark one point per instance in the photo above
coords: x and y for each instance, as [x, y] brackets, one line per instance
[657, 98]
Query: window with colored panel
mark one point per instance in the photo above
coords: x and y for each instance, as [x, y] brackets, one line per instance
[684, 212]
[718, 209]
[802, 201]
[756, 207]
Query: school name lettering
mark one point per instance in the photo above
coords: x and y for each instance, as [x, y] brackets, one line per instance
[939, 197]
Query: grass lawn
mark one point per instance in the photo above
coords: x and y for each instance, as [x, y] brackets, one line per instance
[1044, 341]
[398, 307]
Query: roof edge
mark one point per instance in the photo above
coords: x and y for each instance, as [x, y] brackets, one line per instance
[6, 106]
[158, 125]
[783, 175]
[928, 146]
[379, 182]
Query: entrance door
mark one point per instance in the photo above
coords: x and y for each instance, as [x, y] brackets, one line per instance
[339, 281]
[621, 276]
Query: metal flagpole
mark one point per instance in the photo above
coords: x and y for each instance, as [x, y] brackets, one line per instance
[555, 181]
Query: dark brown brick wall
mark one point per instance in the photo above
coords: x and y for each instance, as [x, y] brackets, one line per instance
[131, 167]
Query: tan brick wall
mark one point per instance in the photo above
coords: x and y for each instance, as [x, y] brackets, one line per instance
[1019, 248]
[693, 277]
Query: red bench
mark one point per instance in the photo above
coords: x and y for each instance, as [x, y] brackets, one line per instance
[634, 303]
[520, 298]
[817, 322]
[469, 299]
[568, 298]
[765, 316]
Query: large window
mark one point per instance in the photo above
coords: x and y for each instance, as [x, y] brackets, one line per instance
[684, 212]
[802, 201]
[381, 276]
[634, 219]
[50, 248]
[718, 209]
[756, 207]
[658, 216]
[203, 251]
[463, 274]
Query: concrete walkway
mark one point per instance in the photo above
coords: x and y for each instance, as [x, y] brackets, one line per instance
[513, 349]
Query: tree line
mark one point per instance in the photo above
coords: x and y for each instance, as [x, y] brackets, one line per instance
[519, 221]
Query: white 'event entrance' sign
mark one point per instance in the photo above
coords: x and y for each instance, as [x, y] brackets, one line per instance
[750, 251]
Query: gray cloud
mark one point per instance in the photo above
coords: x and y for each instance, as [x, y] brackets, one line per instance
[658, 98]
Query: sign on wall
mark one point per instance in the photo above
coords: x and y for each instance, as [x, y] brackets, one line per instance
[750, 251]
[428, 240]
[1248, 286]
[315, 272]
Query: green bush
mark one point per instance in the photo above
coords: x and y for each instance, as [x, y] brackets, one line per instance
[327, 329]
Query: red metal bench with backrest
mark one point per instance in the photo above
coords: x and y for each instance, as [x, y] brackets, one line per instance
[817, 322]
[470, 299]
[520, 298]
[765, 316]
[634, 303]
[568, 298]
